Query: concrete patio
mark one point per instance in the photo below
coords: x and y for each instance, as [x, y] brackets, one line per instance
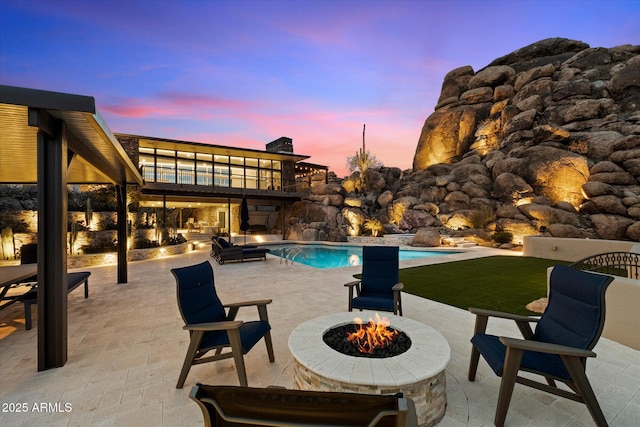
[126, 347]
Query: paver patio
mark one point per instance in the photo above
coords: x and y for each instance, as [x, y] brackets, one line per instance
[126, 347]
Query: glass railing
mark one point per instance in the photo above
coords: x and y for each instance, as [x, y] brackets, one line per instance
[169, 175]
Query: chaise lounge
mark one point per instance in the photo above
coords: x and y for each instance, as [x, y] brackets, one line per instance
[73, 281]
[222, 251]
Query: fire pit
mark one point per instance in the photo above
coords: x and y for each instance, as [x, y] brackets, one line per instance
[417, 372]
[375, 339]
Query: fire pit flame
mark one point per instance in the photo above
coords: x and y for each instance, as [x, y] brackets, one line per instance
[374, 335]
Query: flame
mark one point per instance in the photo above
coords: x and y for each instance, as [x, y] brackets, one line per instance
[375, 334]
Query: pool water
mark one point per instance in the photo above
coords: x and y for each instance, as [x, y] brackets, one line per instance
[320, 256]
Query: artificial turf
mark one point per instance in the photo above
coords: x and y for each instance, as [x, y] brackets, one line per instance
[504, 283]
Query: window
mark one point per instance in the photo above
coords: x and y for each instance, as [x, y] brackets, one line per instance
[237, 160]
[237, 177]
[204, 173]
[147, 166]
[277, 181]
[265, 164]
[265, 179]
[165, 153]
[221, 159]
[185, 172]
[186, 155]
[251, 178]
[166, 170]
[221, 176]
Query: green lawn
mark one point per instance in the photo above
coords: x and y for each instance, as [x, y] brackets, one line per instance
[504, 283]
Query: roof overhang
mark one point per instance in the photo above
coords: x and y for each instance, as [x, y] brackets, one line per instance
[96, 155]
[199, 147]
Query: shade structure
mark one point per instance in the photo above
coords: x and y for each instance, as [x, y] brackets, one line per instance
[54, 139]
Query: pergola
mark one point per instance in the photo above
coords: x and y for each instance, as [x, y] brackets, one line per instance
[54, 139]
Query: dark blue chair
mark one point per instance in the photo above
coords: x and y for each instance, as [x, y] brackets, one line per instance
[558, 349]
[378, 288]
[211, 327]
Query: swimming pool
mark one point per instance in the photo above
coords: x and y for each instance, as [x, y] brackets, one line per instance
[323, 256]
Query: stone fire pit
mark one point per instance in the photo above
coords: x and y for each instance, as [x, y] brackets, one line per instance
[419, 373]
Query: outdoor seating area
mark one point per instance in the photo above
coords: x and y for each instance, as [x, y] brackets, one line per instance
[74, 280]
[21, 284]
[127, 345]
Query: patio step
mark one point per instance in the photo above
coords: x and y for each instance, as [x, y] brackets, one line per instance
[460, 242]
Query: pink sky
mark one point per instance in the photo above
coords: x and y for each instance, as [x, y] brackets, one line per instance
[243, 73]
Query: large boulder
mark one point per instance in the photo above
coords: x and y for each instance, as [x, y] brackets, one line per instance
[492, 76]
[547, 48]
[447, 134]
[427, 237]
[546, 215]
[509, 187]
[609, 204]
[454, 83]
[556, 173]
[327, 199]
[633, 231]
[569, 231]
[354, 219]
[385, 198]
[331, 188]
[309, 212]
[611, 227]
[412, 219]
[597, 188]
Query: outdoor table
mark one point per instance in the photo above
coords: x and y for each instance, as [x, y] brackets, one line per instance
[14, 274]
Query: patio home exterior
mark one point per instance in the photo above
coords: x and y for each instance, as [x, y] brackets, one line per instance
[206, 183]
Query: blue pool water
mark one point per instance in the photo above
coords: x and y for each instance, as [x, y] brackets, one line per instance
[320, 256]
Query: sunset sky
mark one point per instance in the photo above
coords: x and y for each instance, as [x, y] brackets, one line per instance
[243, 73]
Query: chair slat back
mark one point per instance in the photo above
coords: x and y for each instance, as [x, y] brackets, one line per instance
[223, 243]
[244, 406]
[197, 297]
[379, 269]
[576, 310]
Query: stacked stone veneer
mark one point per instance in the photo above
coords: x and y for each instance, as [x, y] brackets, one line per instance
[430, 395]
[386, 240]
[419, 373]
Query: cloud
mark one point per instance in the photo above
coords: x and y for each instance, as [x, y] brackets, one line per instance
[176, 105]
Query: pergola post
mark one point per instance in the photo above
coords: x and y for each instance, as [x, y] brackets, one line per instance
[52, 233]
[121, 212]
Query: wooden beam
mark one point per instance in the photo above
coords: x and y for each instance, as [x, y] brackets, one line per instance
[52, 248]
[121, 208]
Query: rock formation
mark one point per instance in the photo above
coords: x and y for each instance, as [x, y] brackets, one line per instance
[544, 140]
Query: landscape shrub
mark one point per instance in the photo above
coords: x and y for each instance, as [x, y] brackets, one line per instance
[100, 244]
[502, 237]
[481, 217]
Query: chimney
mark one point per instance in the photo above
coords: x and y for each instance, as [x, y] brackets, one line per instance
[280, 145]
